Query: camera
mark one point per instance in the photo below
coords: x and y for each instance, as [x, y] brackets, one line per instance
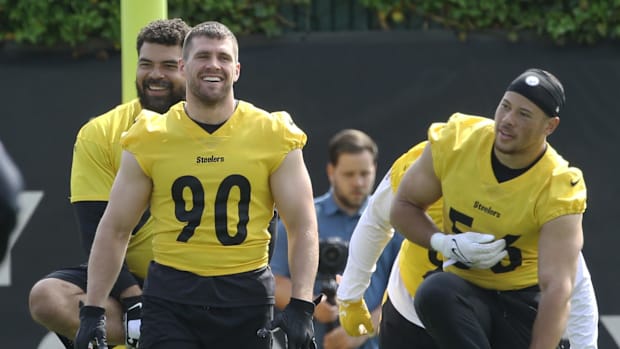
[333, 254]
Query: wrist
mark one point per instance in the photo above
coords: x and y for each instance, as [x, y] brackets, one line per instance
[300, 304]
[91, 311]
[130, 302]
[437, 241]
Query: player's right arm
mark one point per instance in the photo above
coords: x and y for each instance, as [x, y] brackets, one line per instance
[418, 189]
[128, 200]
[370, 236]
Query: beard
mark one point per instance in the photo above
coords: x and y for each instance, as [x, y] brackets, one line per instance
[210, 98]
[160, 104]
[352, 203]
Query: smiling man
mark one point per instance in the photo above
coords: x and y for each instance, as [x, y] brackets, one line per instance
[96, 160]
[209, 285]
[512, 222]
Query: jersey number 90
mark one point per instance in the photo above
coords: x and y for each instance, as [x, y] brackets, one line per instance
[193, 216]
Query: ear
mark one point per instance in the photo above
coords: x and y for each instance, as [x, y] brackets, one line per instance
[552, 124]
[181, 64]
[330, 172]
[237, 72]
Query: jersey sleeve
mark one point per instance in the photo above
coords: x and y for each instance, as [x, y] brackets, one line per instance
[92, 171]
[566, 195]
[137, 138]
[293, 137]
[402, 164]
[447, 138]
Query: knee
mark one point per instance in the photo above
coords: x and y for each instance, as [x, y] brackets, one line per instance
[434, 292]
[42, 301]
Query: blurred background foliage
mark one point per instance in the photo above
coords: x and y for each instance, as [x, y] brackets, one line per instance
[74, 23]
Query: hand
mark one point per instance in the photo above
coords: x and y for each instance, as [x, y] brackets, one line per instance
[339, 339]
[473, 249]
[296, 321]
[92, 328]
[326, 312]
[132, 319]
[355, 317]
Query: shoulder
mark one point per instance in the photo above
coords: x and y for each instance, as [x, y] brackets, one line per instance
[279, 122]
[148, 126]
[321, 201]
[460, 127]
[402, 164]
[119, 117]
[566, 187]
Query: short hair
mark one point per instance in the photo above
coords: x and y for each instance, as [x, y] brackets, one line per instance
[211, 30]
[351, 141]
[168, 32]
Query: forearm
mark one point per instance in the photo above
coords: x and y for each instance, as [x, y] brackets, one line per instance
[104, 265]
[303, 261]
[372, 233]
[551, 318]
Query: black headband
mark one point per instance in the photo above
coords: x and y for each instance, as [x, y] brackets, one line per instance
[542, 89]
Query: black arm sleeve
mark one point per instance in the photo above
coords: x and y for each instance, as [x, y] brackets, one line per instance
[10, 185]
[88, 214]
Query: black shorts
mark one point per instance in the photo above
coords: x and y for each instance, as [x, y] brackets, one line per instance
[455, 311]
[396, 332]
[78, 275]
[172, 325]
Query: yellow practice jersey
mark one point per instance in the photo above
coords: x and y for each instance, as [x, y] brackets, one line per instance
[415, 262]
[96, 160]
[211, 200]
[514, 210]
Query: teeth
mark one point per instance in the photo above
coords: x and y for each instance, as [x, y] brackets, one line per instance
[212, 79]
[156, 87]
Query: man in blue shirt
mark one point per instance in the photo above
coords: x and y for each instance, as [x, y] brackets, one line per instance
[351, 172]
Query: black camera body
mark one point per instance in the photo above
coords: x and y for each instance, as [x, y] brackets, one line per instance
[333, 254]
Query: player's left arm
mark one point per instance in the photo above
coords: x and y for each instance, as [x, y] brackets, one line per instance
[560, 242]
[582, 327]
[292, 192]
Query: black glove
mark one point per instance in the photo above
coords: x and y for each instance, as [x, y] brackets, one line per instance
[296, 321]
[132, 319]
[92, 328]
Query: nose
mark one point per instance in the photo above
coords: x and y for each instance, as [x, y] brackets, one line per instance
[359, 181]
[156, 73]
[509, 118]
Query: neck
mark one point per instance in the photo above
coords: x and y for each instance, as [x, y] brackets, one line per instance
[519, 160]
[215, 113]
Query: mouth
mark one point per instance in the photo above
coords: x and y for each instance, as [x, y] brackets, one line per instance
[505, 134]
[157, 86]
[209, 78]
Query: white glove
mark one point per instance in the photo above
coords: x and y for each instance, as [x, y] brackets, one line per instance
[132, 319]
[475, 250]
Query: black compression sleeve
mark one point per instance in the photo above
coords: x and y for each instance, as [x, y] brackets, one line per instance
[88, 214]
